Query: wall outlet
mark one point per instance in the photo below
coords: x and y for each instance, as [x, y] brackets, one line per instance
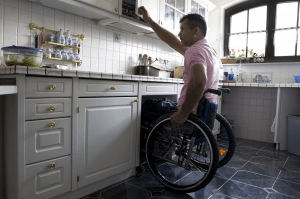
[116, 37]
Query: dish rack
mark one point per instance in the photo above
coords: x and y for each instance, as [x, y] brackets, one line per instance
[44, 42]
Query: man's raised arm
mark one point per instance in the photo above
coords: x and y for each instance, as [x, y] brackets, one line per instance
[162, 33]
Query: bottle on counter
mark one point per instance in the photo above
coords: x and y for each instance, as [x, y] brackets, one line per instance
[230, 75]
[240, 74]
[61, 38]
[68, 39]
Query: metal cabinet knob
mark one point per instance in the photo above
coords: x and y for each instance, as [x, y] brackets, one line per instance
[113, 88]
[117, 9]
[52, 87]
[52, 108]
[51, 165]
[51, 125]
[136, 100]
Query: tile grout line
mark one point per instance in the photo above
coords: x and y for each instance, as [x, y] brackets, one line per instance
[279, 174]
[228, 180]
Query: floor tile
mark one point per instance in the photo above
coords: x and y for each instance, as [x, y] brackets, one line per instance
[254, 179]
[293, 163]
[174, 195]
[158, 197]
[274, 154]
[156, 193]
[290, 176]
[125, 191]
[287, 188]
[96, 194]
[225, 172]
[221, 197]
[206, 192]
[147, 182]
[253, 144]
[278, 196]
[243, 191]
[243, 149]
[261, 169]
[268, 161]
[236, 162]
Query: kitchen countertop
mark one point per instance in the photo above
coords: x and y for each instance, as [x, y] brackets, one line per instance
[296, 85]
[83, 74]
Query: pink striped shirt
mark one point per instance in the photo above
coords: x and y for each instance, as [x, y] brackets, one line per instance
[201, 53]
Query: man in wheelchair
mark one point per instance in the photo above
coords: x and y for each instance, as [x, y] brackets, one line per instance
[201, 64]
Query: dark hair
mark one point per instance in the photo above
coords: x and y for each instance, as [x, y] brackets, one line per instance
[195, 20]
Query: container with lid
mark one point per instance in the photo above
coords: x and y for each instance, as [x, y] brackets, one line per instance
[22, 56]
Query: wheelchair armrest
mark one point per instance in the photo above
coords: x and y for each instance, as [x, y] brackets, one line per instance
[213, 91]
[225, 90]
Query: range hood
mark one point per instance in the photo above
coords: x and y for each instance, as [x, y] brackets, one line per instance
[105, 18]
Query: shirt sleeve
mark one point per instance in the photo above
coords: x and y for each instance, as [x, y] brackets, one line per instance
[197, 58]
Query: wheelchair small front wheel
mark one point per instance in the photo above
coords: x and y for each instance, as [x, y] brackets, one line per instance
[184, 157]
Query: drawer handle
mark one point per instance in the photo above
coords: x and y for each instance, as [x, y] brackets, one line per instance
[52, 87]
[51, 125]
[51, 165]
[113, 88]
[52, 108]
[136, 100]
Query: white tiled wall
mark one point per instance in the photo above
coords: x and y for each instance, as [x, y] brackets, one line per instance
[281, 73]
[253, 111]
[99, 52]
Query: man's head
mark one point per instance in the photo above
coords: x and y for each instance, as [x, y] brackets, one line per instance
[192, 29]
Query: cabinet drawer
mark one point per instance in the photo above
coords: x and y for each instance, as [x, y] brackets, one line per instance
[48, 87]
[47, 108]
[159, 89]
[47, 139]
[43, 182]
[89, 88]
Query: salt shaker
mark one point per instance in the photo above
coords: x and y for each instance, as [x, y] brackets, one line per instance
[71, 56]
[77, 57]
[68, 38]
[64, 55]
[74, 42]
[58, 54]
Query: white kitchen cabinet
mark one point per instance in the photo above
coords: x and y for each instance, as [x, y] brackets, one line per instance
[107, 131]
[152, 7]
[109, 5]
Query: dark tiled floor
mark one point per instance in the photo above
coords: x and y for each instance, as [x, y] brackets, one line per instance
[256, 171]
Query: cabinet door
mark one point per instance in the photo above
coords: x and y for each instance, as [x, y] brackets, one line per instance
[106, 137]
[152, 7]
[171, 13]
[110, 5]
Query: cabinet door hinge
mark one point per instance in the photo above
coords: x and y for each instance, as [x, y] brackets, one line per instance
[78, 110]
[77, 178]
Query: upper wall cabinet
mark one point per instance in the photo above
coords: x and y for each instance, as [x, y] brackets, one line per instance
[152, 7]
[109, 5]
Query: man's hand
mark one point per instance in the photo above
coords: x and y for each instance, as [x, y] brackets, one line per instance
[178, 118]
[142, 10]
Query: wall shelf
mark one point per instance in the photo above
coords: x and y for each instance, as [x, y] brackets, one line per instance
[59, 59]
[58, 44]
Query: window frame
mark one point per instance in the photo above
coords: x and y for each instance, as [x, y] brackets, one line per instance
[271, 20]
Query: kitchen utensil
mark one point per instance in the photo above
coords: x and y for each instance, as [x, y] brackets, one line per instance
[68, 38]
[140, 59]
[71, 56]
[58, 54]
[65, 55]
[74, 42]
[22, 56]
[147, 71]
[144, 60]
[77, 57]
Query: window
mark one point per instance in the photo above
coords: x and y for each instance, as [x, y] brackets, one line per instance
[174, 11]
[268, 28]
[197, 9]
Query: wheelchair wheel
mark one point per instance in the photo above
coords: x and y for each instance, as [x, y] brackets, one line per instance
[184, 157]
[225, 140]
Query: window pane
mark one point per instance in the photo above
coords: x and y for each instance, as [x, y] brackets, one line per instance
[194, 7]
[237, 43]
[180, 5]
[258, 18]
[257, 43]
[298, 46]
[171, 2]
[239, 22]
[284, 43]
[202, 11]
[169, 17]
[286, 15]
[178, 16]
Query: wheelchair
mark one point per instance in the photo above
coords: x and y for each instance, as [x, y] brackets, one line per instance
[185, 158]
